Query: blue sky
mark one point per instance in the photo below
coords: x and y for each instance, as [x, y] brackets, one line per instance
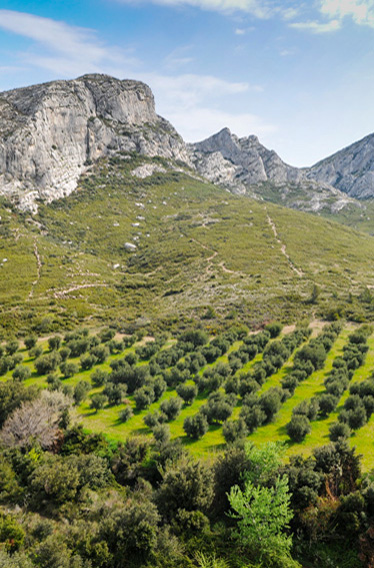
[298, 74]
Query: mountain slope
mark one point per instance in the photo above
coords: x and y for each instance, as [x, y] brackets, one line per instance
[196, 251]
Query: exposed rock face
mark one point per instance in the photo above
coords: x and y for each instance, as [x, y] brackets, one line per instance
[243, 165]
[239, 162]
[351, 170]
[50, 132]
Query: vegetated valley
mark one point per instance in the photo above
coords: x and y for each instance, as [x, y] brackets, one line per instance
[186, 375]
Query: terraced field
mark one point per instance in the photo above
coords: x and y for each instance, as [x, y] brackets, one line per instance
[219, 375]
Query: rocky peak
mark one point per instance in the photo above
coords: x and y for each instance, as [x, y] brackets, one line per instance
[351, 170]
[50, 132]
[245, 160]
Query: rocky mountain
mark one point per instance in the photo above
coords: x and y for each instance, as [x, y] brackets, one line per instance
[50, 133]
[245, 160]
[351, 170]
[245, 166]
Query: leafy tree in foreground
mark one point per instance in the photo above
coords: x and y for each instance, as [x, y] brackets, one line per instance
[263, 514]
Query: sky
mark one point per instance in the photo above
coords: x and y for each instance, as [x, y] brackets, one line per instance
[299, 74]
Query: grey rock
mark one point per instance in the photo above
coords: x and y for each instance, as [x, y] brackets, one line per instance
[49, 133]
[351, 170]
[240, 162]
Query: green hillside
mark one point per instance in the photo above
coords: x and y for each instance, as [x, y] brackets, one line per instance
[201, 253]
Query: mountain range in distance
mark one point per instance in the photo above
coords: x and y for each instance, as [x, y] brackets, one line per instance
[50, 134]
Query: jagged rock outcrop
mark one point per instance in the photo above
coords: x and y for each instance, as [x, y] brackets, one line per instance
[49, 133]
[240, 162]
[351, 170]
[244, 165]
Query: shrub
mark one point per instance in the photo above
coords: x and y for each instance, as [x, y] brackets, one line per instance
[234, 430]
[298, 427]
[47, 363]
[54, 342]
[187, 392]
[339, 430]
[171, 407]
[68, 369]
[161, 433]
[88, 361]
[98, 401]
[126, 414]
[99, 378]
[21, 373]
[30, 341]
[144, 396]
[196, 426]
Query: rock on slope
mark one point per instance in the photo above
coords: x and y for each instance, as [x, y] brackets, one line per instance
[50, 132]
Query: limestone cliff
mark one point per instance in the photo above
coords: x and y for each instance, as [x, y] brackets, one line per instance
[50, 132]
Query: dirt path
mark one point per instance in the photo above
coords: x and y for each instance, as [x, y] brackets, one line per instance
[63, 293]
[38, 269]
[297, 271]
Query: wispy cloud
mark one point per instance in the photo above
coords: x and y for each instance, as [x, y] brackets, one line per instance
[261, 9]
[58, 47]
[317, 27]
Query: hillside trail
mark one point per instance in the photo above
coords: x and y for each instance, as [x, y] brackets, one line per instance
[297, 271]
[38, 269]
[63, 293]
[209, 266]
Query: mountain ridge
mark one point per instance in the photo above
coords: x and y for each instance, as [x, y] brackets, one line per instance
[52, 132]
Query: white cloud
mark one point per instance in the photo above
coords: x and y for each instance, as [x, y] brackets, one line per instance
[239, 31]
[361, 11]
[317, 27]
[60, 48]
[261, 9]
[188, 90]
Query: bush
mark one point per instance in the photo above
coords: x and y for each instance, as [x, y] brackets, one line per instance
[100, 352]
[47, 363]
[196, 426]
[98, 401]
[88, 361]
[144, 396]
[234, 430]
[327, 403]
[126, 414]
[161, 433]
[54, 343]
[339, 430]
[99, 378]
[21, 373]
[68, 369]
[30, 341]
[12, 346]
[115, 393]
[171, 407]
[81, 389]
[298, 427]
[274, 329]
